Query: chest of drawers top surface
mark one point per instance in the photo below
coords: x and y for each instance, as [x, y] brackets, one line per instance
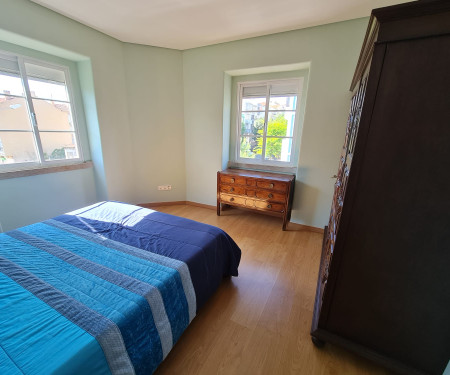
[257, 175]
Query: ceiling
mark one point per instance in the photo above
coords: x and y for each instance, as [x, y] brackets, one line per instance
[184, 24]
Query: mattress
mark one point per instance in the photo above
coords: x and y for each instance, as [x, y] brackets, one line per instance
[107, 289]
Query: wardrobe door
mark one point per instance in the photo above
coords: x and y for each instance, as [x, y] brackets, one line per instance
[392, 290]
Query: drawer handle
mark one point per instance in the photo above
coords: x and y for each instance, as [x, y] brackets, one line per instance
[231, 199]
[232, 180]
[270, 195]
[271, 186]
[232, 189]
[269, 206]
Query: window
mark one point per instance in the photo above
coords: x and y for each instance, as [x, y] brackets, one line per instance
[37, 123]
[267, 120]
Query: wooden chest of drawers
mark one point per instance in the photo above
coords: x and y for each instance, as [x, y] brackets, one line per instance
[261, 191]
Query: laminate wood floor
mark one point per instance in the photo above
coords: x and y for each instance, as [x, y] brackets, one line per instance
[259, 322]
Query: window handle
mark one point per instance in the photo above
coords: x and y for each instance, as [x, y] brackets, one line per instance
[33, 119]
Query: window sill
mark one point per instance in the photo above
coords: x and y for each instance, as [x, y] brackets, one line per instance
[262, 167]
[45, 170]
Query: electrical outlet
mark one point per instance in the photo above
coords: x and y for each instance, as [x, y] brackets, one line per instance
[165, 187]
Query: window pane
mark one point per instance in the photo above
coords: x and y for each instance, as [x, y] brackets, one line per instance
[17, 147]
[252, 123]
[278, 149]
[10, 84]
[254, 104]
[251, 147]
[281, 124]
[14, 113]
[285, 102]
[59, 146]
[53, 115]
[48, 90]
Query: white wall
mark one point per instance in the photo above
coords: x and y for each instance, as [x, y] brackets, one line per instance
[332, 51]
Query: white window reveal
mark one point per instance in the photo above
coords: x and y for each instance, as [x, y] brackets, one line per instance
[37, 123]
[268, 121]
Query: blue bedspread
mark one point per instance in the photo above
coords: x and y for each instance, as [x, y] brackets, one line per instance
[105, 289]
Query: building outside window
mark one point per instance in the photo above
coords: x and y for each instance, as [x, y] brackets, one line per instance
[267, 121]
[37, 123]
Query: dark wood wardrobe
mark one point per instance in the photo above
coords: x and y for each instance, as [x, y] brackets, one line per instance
[384, 280]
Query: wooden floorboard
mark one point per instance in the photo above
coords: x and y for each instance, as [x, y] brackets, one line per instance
[259, 322]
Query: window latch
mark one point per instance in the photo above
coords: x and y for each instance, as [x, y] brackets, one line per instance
[33, 117]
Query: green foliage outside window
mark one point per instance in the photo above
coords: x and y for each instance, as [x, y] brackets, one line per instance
[246, 148]
[277, 127]
[57, 154]
[251, 147]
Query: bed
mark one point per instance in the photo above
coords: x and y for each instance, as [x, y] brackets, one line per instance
[107, 289]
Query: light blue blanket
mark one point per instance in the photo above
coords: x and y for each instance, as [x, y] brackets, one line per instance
[72, 302]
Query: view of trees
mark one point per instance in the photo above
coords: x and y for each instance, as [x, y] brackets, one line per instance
[277, 126]
[57, 154]
[251, 147]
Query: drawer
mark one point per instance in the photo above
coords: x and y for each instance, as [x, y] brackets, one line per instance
[250, 203]
[272, 196]
[251, 182]
[250, 193]
[232, 179]
[270, 206]
[232, 199]
[274, 185]
[232, 189]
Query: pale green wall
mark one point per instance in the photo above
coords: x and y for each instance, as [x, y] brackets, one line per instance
[155, 116]
[27, 200]
[332, 51]
[90, 109]
[43, 29]
[33, 26]
[132, 96]
[154, 78]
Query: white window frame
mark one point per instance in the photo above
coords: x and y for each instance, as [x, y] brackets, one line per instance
[295, 141]
[42, 163]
